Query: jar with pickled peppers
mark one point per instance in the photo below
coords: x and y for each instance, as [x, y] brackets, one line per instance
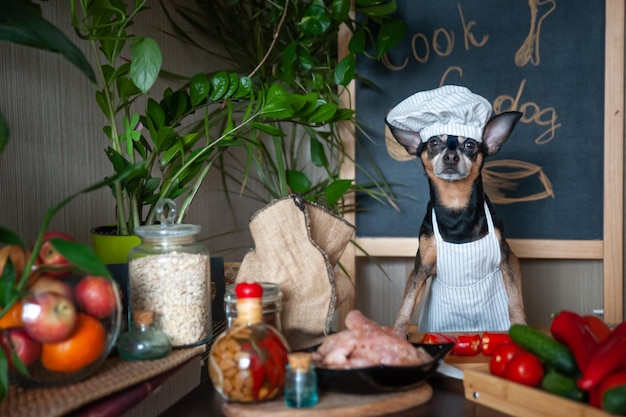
[247, 362]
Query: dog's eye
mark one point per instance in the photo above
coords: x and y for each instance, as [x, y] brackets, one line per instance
[433, 143]
[469, 144]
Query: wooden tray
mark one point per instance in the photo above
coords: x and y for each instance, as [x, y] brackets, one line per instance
[519, 400]
[333, 404]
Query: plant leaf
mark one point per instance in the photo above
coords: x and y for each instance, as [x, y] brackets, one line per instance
[81, 256]
[318, 156]
[21, 22]
[336, 190]
[9, 238]
[4, 375]
[199, 88]
[219, 85]
[345, 70]
[323, 113]
[390, 34]
[146, 62]
[298, 181]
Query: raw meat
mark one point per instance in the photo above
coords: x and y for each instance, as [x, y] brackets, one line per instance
[365, 343]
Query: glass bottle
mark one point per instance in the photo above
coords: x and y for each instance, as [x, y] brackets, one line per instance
[144, 341]
[247, 362]
[170, 274]
[300, 381]
[271, 301]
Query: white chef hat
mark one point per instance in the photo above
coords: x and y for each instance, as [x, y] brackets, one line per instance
[451, 110]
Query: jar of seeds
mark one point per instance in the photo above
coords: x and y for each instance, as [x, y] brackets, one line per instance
[169, 273]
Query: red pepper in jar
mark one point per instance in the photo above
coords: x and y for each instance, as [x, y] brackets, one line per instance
[275, 354]
[608, 358]
[490, 341]
[572, 330]
[467, 345]
[436, 339]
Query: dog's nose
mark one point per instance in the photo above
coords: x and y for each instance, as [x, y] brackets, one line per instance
[451, 158]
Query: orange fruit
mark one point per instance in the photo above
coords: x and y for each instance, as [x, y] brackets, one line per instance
[13, 317]
[84, 347]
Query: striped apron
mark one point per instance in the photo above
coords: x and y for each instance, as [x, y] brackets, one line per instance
[467, 294]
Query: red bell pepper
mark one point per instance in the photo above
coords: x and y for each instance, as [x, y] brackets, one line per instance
[572, 330]
[490, 341]
[436, 339]
[616, 379]
[608, 358]
[597, 326]
[467, 345]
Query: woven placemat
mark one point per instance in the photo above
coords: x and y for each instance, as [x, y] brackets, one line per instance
[114, 375]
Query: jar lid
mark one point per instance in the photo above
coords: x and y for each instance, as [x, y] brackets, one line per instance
[167, 228]
[271, 293]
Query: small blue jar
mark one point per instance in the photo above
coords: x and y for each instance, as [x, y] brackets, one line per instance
[300, 381]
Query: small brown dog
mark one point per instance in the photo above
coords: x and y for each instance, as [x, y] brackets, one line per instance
[476, 279]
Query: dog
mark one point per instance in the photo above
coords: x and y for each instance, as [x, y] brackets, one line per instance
[459, 220]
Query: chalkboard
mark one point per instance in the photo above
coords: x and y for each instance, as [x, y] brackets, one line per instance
[561, 62]
[546, 60]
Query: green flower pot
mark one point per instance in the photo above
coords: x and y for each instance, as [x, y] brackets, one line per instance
[111, 248]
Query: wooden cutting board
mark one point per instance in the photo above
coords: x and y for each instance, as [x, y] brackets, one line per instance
[332, 404]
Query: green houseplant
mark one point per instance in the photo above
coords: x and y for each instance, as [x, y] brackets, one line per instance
[303, 57]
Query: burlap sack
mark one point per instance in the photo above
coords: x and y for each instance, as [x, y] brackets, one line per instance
[297, 246]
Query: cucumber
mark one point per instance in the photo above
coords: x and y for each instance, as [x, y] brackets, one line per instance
[614, 400]
[555, 383]
[554, 354]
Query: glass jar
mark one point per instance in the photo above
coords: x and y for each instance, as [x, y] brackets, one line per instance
[169, 273]
[272, 304]
[247, 361]
[144, 341]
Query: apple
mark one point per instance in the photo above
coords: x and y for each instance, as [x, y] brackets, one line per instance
[49, 256]
[96, 296]
[46, 283]
[48, 317]
[18, 340]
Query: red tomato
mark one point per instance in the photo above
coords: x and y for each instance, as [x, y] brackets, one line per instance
[525, 368]
[501, 356]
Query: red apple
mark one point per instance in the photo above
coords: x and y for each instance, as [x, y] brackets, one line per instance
[96, 296]
[48, 317]
[18, 340]
[49, 256]
[47, 283]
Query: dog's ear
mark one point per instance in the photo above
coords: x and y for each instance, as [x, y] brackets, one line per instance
[498, 129]
[412, 141]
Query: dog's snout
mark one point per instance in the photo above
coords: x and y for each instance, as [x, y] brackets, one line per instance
[451, 157]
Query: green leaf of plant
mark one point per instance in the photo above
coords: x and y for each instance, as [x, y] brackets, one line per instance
[298, 182]
[219, 85]
[81, 256]
[155, 113]
[9, 238]
[146, 62]
[389, 35]
[315, 20]
[289, 59]
[336, 190]
[199, 88]
[341, 10]
[357, 41]
[269, 129]
[345, 70]
[376, 8]
[323, 113]
[233, 84]
[245, 87]
[4, 133]
[21, 22]
[318, 156]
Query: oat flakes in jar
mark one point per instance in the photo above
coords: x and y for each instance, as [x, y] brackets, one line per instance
[169, 273]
